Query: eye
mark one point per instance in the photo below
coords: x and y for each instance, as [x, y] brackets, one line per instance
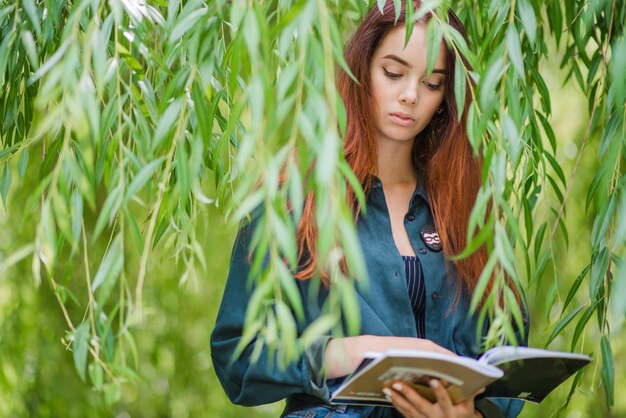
[391, 75]
[432, 86]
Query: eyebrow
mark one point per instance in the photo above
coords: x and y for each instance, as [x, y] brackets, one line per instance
[406, 64]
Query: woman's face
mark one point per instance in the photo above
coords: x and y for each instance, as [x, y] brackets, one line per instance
[405, 98]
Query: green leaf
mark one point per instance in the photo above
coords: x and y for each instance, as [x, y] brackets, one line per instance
[80, 348]
[542, 262]
[547, 128]
[31, 11]
[251, 32]
[288, 330]
[603, 222]
[22, 163]
[353, 181]
[112, 393]
[550, 298]
[296, 194]
[5, 183]
[397, 6]
[598, 180]
[515, 50]
[49, 64]
[600, 264]
[183, 175]
[31, 49]
[288, 284]
[529, 21]
[185, 23]
[483, 281]
[287, 77]
[321, 326]
[142, 178]
[477, 240]
[556, 167]
[96, 375]
[109, 211]
[49, 232]
[409, 20]
[16, 256]
[504, 250]
[76, 202]
[610, 131]
[109, 271]
[563, 323]
[575, 286]
[350, 305]
[555, 16]
[7, 153]
[461, 44]
[488, 98]
[608, 371]
[460, 86]
[539, 238]
[167, 122]
[434, 36]
[250, 203]
[580, 326]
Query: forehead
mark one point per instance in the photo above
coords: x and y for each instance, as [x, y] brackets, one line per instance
[416, 49]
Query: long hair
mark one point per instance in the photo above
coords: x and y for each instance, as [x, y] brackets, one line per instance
[442, 152]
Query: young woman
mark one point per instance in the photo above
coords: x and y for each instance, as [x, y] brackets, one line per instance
[406, 145]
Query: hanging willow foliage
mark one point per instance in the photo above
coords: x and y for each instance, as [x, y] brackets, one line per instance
[125, 108]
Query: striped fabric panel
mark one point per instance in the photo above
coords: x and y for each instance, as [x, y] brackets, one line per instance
[417, 291]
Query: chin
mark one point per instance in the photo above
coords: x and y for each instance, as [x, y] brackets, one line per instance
[401, 136]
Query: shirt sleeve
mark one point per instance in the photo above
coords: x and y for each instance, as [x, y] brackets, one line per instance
[254, 383]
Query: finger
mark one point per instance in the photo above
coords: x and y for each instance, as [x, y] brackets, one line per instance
[443, 398]
[437, 348]
[468, 405]
[417, 401]
[402, 404]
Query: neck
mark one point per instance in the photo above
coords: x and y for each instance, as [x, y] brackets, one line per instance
[395, 163]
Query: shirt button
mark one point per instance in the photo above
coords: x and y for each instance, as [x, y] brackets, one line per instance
[435, 296]
[422, 251]
[410, 217]
[396, 274]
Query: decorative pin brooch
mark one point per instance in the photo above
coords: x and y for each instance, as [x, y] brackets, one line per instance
[431, 238]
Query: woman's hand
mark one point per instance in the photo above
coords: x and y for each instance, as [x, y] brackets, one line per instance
[343, 355]
[412, 405]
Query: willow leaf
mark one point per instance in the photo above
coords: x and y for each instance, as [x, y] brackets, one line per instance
[563, 323]
[80, 347]
[529, 21]
[142, 177]
[321, 326]
[460, 85]
[109, 271]
[515, 50]
[575, 286]
[582, 322]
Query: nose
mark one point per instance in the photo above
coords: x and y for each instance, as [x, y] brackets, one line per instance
[409, 96]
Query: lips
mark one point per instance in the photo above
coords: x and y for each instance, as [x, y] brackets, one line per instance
[402, 119]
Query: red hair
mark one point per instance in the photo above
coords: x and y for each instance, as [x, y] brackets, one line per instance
[441, 152]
